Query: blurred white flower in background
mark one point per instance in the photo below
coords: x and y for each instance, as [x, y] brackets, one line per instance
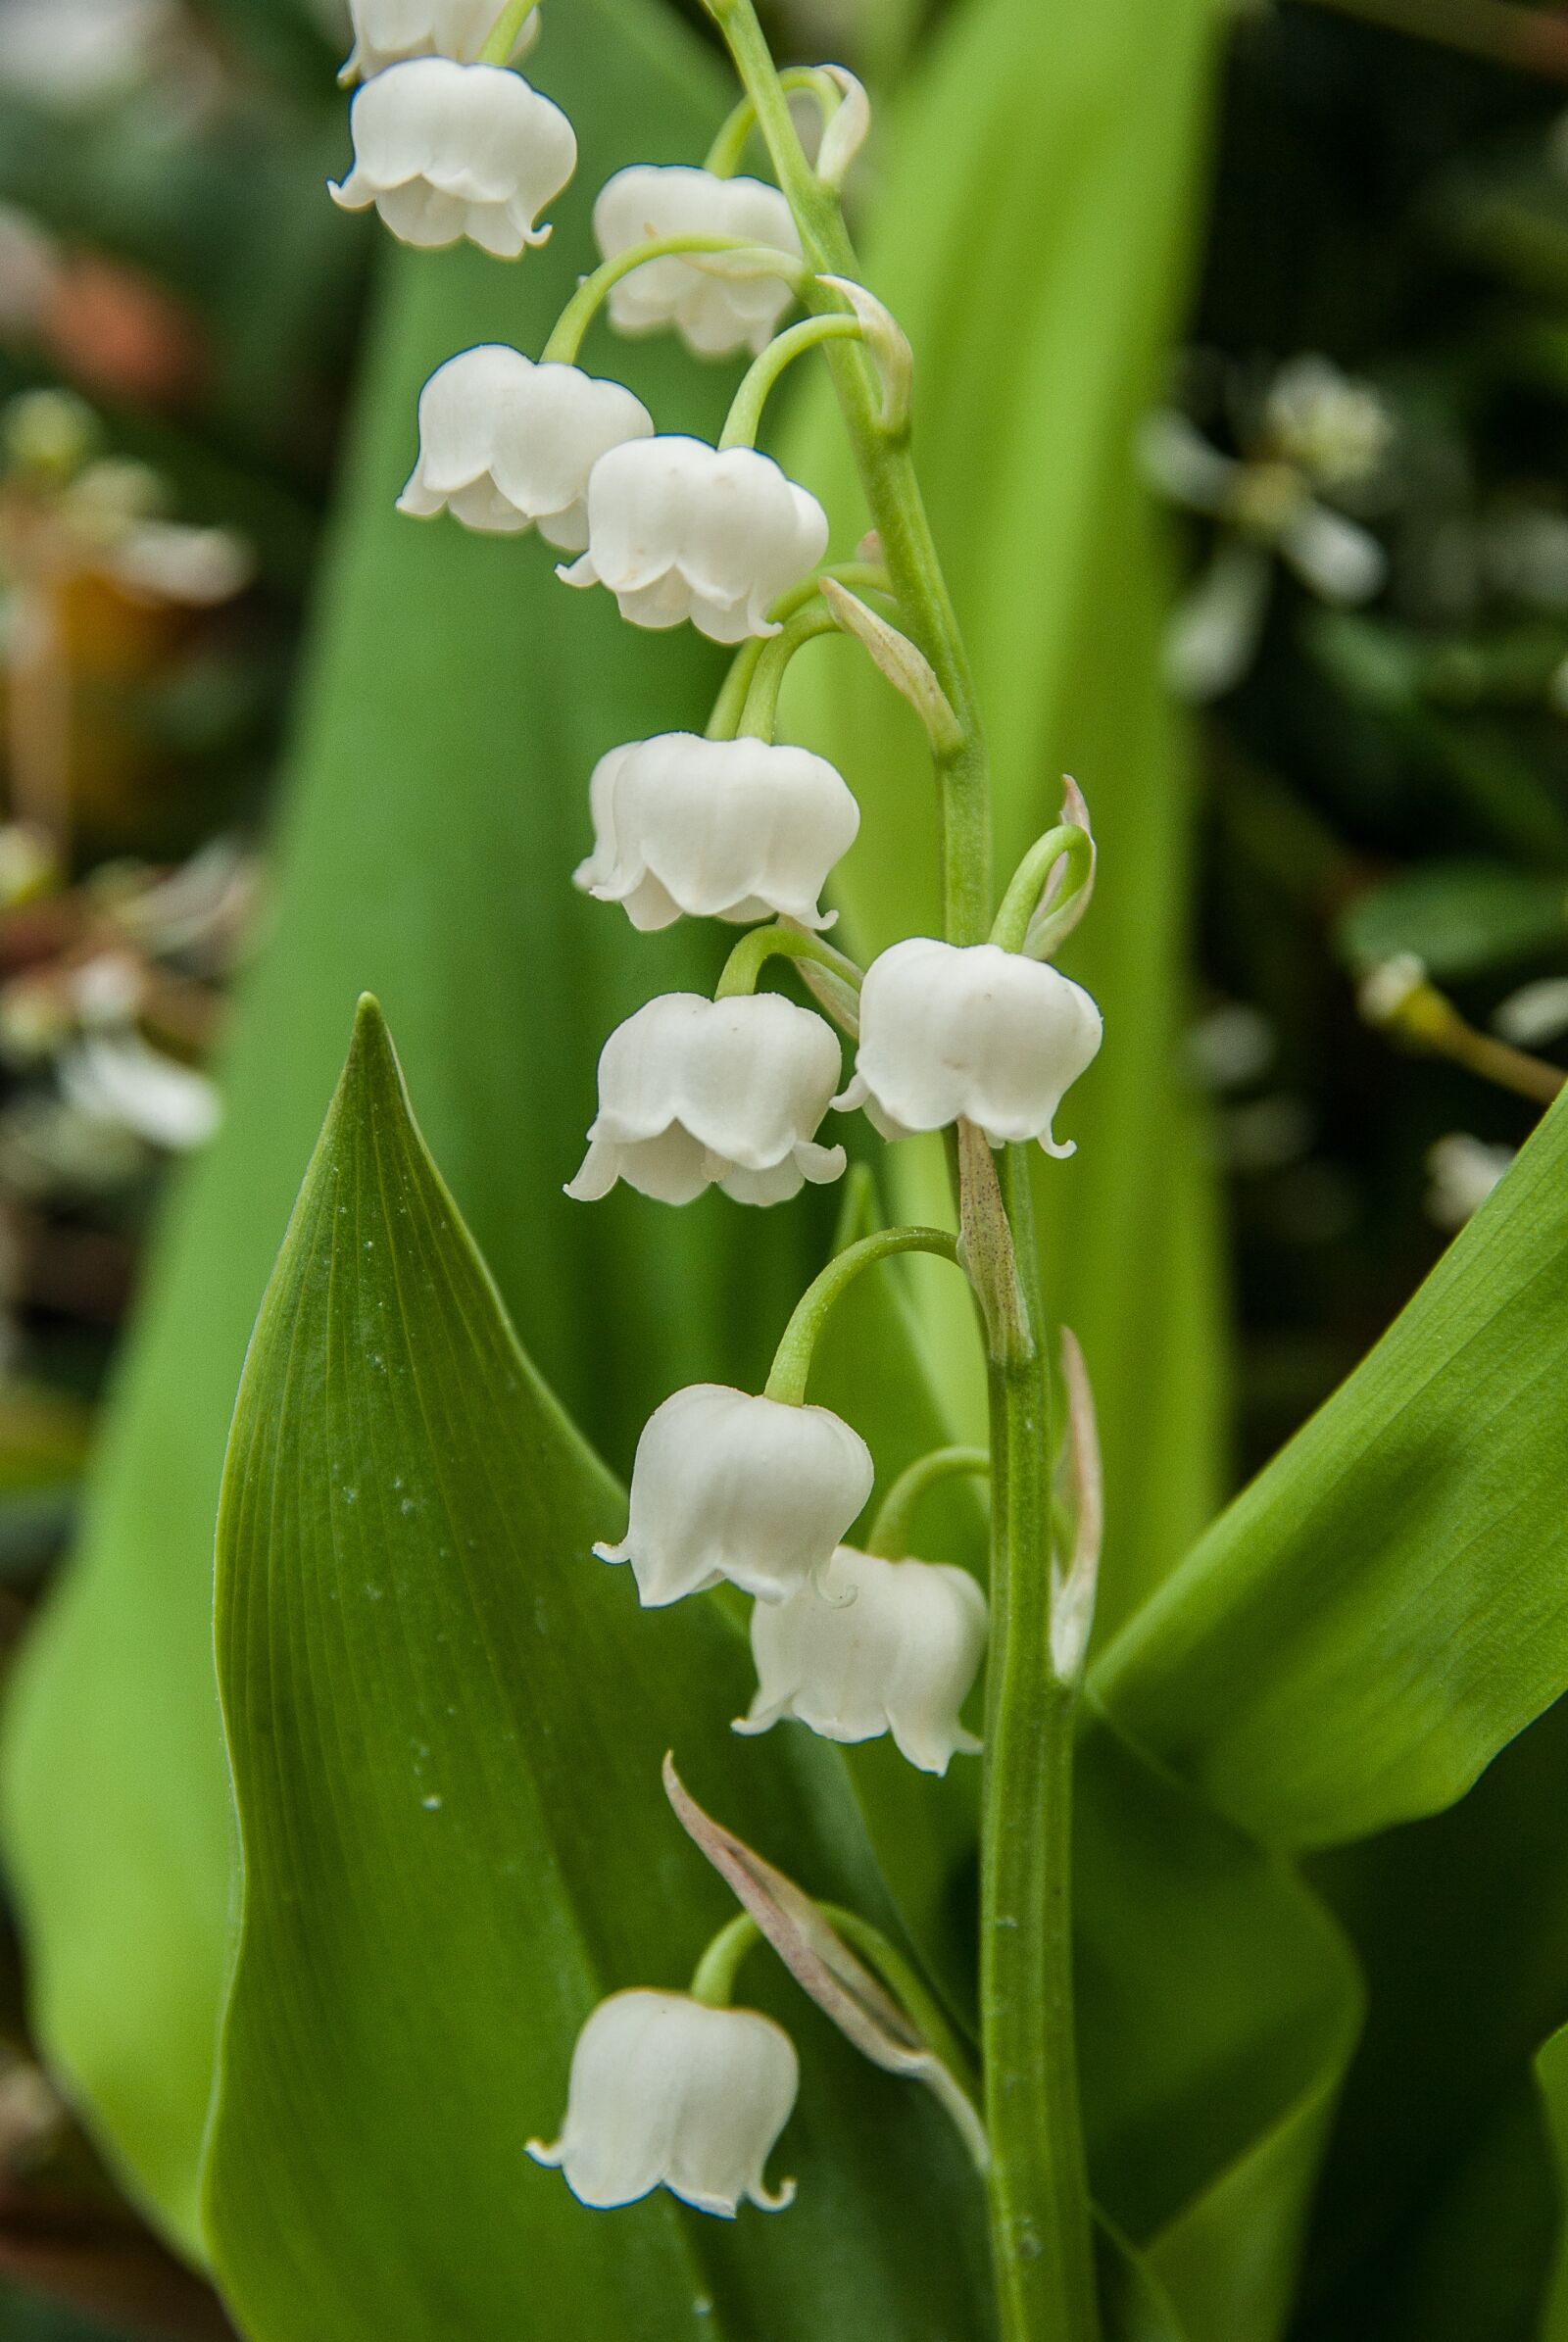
[1535, 1014]
[1463, 1171]
[74, 53]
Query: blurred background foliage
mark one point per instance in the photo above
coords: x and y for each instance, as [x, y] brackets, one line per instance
[1378, 762]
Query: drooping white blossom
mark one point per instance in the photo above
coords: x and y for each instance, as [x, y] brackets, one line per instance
[972, 1031]
[873, 1646]
[667, 2092]
[718, 829]
[677, 529]
[507, 445]
[717, 308]
[695, 1092]
[444, 151]
[726, 1485]
[389, 31]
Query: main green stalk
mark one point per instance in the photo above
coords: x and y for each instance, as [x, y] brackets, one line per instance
[1037, 2188]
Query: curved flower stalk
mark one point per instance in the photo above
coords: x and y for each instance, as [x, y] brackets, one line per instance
[679, 529]
[696, 1093]
[715, 309]
[977, 1033]
[972, 1027]
[873, 1646]
[727, 1486]
[444, 151]
[506, 445]
[666, 2092]
[390, 31]
[1317, 434]
[716, 829]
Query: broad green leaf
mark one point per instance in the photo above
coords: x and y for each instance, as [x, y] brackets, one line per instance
[446, 1720]
[1387, 1605]
[1030, 227]
[457, 700]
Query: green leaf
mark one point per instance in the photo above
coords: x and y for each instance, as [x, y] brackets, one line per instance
[459, 699]
[446, 1720]
[1073, 133]
[1386, 1606]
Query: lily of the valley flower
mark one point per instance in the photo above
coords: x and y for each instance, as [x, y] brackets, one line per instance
[667, 2092]
[716, 308]
[726, 1485]
[507, 445]
[677, 529]
[949, 1031]
[873, 1646]
[389, 31]
[717, 829]
[695, 1092]
[445, 150]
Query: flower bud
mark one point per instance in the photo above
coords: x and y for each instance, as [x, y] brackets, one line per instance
[388, 31]
[444, 151]
[726, 1485]
[667, 2092]
[677, 529]
[506, 445]
[715, 307]
[719, 829]
[949, 1031]
[696, 1093]
[873, 1646]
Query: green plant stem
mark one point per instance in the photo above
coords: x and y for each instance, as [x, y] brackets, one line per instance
[745, 418]
[501, 37]
[889, 1534]
[792, 1362]
[752, 952]
[723, 156]
[713, 1980]
[1042, 2238]
[760, 714]
[892, 491]
[566, 336]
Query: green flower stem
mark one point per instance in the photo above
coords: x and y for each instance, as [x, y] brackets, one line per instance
[713, 1980]
[501, 37]
[760, 714]
[729, 708]
[792, 1362]
[745, 418]
[586, 302]
[752, 952]
[859, 577]
[889, 1535]
[892, 491]
[1066, 842]
[1042, 2241]
[724, 155]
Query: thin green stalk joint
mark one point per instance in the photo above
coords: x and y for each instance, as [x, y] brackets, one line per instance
[792, 1362]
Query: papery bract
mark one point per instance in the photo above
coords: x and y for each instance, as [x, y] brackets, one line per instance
[677, 529]
[949, 1030]
[506, 445]
[695, 1092]
[444, 151]
[726, 1485]
[667, 2092]
[389, 31]
[873, 1646]
[725, 829]
[717, 308]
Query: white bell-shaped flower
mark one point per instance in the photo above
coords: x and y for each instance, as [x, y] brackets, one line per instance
[389, 31]
[716, 308]
[445, 150]
[719, 829]
[726, 1485]
[972, 1031]
[506, 445]
[695, 1092]
[873, 1646]
[667, 2092]
[679, 529]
